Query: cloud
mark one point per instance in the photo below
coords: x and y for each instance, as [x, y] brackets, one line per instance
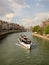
[19, 9]
[19, 4]
[26, 21]
[43, 15]
[6, 12]
[46, 0]
[37, 20]
[30, 21]
[11, 6]
[38, 5]
[5, 8]
[8, 17]
[38, 0]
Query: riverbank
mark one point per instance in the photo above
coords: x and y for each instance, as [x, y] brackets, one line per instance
[41, 36]
[5, 33]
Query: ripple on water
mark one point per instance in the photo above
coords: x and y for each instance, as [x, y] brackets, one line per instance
[11, 53]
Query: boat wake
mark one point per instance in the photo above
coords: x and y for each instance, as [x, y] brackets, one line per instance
[32, 46]
[18, 44]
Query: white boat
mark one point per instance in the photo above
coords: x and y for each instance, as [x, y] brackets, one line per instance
[24, 44]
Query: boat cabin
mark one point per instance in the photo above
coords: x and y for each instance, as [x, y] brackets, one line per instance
[25, 39]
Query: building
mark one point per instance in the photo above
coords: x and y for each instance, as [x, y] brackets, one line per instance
[4, 25]
[46, 22]
[10, 26]
[0, 25]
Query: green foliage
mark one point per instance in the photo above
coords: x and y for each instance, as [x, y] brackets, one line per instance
[46, 30]
[37, 29]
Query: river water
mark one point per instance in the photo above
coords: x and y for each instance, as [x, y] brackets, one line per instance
[11, 52]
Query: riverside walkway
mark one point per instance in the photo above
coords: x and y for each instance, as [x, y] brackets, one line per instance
[41, 36]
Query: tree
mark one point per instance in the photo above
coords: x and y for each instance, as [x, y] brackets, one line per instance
[37, 29]
[46, 30]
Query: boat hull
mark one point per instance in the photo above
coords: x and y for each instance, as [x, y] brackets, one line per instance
[27, 46]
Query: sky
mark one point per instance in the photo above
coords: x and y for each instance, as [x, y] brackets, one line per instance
[24, 12]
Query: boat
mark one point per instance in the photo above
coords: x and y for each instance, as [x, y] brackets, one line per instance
[25, 41]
